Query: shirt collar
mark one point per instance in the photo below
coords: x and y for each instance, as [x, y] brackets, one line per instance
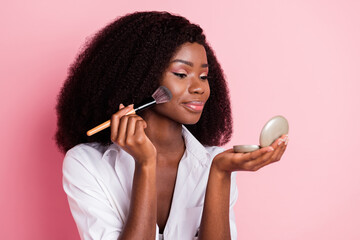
[110, 154]
[193, 146]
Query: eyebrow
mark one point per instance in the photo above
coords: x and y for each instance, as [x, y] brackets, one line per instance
[205, 65]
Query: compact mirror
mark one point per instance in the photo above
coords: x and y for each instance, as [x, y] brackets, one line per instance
[246, 148]
[272, 130]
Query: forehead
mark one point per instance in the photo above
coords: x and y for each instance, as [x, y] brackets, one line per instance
[192, 52]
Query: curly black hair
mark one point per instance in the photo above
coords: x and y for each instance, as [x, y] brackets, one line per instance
[123, 63]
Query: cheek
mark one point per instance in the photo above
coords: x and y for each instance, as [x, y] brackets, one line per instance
[177, 88]
[208, 91]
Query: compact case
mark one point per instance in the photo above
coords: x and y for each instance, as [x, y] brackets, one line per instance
[273, 129]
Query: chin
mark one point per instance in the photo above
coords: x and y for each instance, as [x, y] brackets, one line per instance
[189, 121]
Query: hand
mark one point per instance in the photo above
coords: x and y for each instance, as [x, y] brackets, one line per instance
[127, 131]
[230, 161]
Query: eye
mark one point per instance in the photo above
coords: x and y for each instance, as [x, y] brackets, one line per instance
[180, 75]
[203, 77]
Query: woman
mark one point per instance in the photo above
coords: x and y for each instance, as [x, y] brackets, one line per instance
[158, 174]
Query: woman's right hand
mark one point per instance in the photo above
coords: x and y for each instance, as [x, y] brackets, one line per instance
[128, 131]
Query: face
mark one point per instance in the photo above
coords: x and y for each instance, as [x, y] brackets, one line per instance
[186, 78]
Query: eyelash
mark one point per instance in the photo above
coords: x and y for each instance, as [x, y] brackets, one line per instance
[182, 75]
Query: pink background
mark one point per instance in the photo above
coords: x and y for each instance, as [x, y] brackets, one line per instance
[297, 58]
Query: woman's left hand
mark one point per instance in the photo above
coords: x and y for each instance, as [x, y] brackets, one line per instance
[229, 161]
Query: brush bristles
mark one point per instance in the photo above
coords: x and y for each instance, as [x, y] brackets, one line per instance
[162, 95]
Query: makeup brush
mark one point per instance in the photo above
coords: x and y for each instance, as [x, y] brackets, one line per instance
[161, 95]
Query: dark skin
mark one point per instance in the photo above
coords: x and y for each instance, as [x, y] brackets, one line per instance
[170, 149]
[156, 143]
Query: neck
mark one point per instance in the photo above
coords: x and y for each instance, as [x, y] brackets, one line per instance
[164, 133]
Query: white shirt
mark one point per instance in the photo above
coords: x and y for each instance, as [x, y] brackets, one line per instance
[98, 182]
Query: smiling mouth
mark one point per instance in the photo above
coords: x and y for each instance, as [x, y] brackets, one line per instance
[195, 106]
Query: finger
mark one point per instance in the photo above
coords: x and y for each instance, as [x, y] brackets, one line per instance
[131, 125]
[277, 153]
[124, 110]
[273, 159]
[267, 155]
[281, 153]
[262, 160]
[114, 125]
[283, 148]
[265, 159]
[279, 149]
[281, 139]
[257, 161]
[277, 145]
[140, 134]
[115, 119]
[258, 153]
[286, 144]
[122, 131]
[140, 127]
[251, 161]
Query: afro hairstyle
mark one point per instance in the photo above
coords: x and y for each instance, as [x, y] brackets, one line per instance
[123, 63]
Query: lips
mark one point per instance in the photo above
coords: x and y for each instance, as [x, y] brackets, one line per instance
[194, 106]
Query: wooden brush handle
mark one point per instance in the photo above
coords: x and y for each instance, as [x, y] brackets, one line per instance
[103, 126]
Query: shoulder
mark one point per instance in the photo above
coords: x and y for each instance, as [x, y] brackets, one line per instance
[85, 155]
[86, 149]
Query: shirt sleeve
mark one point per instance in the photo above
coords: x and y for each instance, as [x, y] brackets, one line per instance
[95, 216]
[233, 199]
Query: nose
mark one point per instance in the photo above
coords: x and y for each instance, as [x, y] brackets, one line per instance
[197, 86]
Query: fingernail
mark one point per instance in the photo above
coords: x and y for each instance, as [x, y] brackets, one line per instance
[130, 109]
[121, 106]
[287, 140]
[270, 149]
[280, 142]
